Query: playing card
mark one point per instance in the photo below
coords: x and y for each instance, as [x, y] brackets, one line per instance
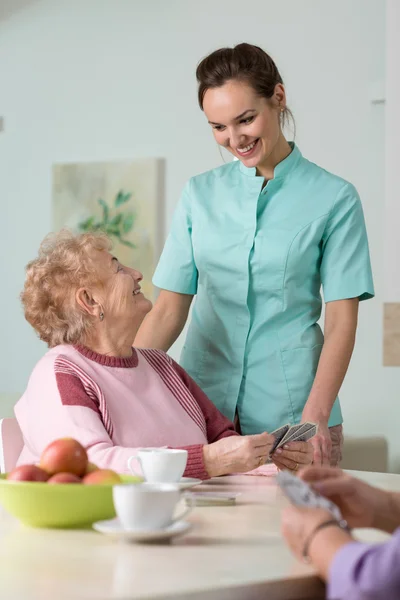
[301, 494]
[213, 498]
[297, 433]
[278, 435]
[305, 434]
[302, 433]
[290, 433]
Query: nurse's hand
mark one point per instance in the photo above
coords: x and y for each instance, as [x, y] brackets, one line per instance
[237, 454]
[322, 445]
[293, 456]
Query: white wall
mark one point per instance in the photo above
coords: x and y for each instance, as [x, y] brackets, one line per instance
[95, 80]
[392, 134]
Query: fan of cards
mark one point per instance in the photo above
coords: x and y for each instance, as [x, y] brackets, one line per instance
[301, 494]
[293, 433]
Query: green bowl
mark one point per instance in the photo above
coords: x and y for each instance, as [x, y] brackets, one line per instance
[65, 505]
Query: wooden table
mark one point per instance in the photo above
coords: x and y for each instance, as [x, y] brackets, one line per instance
[232, 552]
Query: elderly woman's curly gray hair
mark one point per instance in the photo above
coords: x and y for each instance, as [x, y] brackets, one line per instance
[64, 264]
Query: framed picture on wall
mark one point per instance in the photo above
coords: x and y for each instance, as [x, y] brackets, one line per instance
[124, 199]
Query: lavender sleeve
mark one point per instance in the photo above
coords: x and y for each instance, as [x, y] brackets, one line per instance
[366, 571]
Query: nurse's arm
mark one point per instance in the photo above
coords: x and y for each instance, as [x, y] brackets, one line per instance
[340, 332]
[164, 323]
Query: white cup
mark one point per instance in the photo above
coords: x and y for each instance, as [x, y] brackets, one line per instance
[160, 465]
[149, 506]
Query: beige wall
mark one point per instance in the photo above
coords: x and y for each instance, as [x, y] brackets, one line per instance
[391, 354]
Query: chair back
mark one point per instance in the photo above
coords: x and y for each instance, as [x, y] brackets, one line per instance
[11, 444]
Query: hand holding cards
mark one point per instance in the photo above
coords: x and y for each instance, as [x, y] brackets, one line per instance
[299, 526]
[293, 433]
[301, 493]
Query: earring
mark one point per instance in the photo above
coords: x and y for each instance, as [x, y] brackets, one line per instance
[101, 316]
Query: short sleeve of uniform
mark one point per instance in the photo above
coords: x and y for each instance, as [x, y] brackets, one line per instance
[346, 266]
[176, 270]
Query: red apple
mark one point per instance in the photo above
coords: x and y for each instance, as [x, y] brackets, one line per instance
[65, 455]
[91, 467]
[101, 477]
[65, 478]
[27, 473]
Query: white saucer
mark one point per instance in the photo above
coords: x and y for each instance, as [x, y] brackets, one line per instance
[184, 483]
[188, 482]
[114, 527]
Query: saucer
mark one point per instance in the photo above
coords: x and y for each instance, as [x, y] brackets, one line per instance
[114, 527]
[183, 483]
[188, 482]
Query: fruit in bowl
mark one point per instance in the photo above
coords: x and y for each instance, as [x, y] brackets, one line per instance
[65, 455]
[91, 467]
[102, 477]
[28, 473]
[54, 495]
[64, 478]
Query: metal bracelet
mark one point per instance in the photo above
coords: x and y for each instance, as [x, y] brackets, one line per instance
[342, 524]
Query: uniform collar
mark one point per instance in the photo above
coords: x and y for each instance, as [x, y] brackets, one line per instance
[283, 168]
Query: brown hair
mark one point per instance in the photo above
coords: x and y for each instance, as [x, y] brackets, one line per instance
[64, 264]
[246, 63]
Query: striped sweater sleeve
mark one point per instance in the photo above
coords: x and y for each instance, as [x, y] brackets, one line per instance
[218, 426]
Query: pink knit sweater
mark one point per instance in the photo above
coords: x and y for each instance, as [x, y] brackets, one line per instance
[114, 406]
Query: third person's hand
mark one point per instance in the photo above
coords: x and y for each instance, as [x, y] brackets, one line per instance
[361, 504]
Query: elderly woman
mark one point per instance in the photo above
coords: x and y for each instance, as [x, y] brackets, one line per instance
[93, 386]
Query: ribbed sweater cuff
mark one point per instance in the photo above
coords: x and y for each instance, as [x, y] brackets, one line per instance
[195, 463]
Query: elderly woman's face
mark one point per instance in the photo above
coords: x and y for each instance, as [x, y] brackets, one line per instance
[123, 296]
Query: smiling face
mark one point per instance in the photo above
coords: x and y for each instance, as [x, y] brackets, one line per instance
[124, 298]
[120, 296]
[243, 122]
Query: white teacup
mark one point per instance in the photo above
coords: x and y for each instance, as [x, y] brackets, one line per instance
[160, 465]
[148, 506]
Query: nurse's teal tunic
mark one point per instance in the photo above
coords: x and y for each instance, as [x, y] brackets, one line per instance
[256, 259]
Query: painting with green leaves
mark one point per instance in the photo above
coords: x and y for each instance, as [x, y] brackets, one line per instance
[123, 199]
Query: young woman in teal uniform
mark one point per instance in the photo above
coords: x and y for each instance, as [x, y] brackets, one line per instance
[255, 240]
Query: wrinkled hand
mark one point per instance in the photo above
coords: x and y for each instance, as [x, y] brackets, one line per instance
[359, 502]
[293, 456]
[237, 454]
[298, 523]
[322, 445]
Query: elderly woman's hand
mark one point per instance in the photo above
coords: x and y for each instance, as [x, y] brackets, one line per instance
[237, 454]
[293, 456]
